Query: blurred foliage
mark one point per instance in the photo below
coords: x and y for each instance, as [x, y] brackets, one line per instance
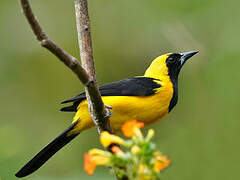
[200, 135]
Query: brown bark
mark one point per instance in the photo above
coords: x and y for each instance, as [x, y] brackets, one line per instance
[96, 106]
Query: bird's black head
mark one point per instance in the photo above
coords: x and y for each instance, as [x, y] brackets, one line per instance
[175, 62]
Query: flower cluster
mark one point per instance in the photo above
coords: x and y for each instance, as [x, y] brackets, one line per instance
[138, 159]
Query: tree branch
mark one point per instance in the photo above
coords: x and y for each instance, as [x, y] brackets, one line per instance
[96, 106]
[87, 74]
[70, 61]
[95, 103]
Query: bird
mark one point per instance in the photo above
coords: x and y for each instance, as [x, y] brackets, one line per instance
[146, 98]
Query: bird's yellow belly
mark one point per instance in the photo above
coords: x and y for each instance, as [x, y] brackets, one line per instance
[147, 109]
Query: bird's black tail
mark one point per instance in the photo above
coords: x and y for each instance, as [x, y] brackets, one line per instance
[47, 152]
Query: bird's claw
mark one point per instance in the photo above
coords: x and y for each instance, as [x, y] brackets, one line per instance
[108, 106]
[109, 113]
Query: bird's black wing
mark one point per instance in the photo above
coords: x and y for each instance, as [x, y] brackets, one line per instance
[136, 86]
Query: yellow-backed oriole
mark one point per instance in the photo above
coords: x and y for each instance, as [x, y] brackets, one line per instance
[146, 98]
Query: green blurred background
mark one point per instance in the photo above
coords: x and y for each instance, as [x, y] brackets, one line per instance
[201, 135]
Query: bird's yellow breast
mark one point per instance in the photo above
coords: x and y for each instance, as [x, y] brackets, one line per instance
[147, 109]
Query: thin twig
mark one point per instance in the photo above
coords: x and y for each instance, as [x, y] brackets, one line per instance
[70, 61]
[96, 106]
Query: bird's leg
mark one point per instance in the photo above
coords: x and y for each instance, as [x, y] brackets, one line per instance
[109, 113]
[108, 106]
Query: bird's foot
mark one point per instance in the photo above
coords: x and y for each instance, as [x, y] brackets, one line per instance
[109, 113]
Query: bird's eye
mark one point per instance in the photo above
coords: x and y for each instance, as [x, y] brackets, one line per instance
[171, 60]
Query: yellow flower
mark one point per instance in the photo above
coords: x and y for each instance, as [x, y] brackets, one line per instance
[96, 151]
[142, 169]
[135, 149]
[131, 128]
[144, 173]
[107, 139]
[101, 160]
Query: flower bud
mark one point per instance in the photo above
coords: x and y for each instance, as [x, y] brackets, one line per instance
[150, 134]
[135, 150]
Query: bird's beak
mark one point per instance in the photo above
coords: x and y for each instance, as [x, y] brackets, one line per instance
[186, 56]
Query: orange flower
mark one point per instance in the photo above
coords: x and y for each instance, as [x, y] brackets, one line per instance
[115, 149]
[130, 127]
[161, 163]
[91, 161]
[89, 165]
